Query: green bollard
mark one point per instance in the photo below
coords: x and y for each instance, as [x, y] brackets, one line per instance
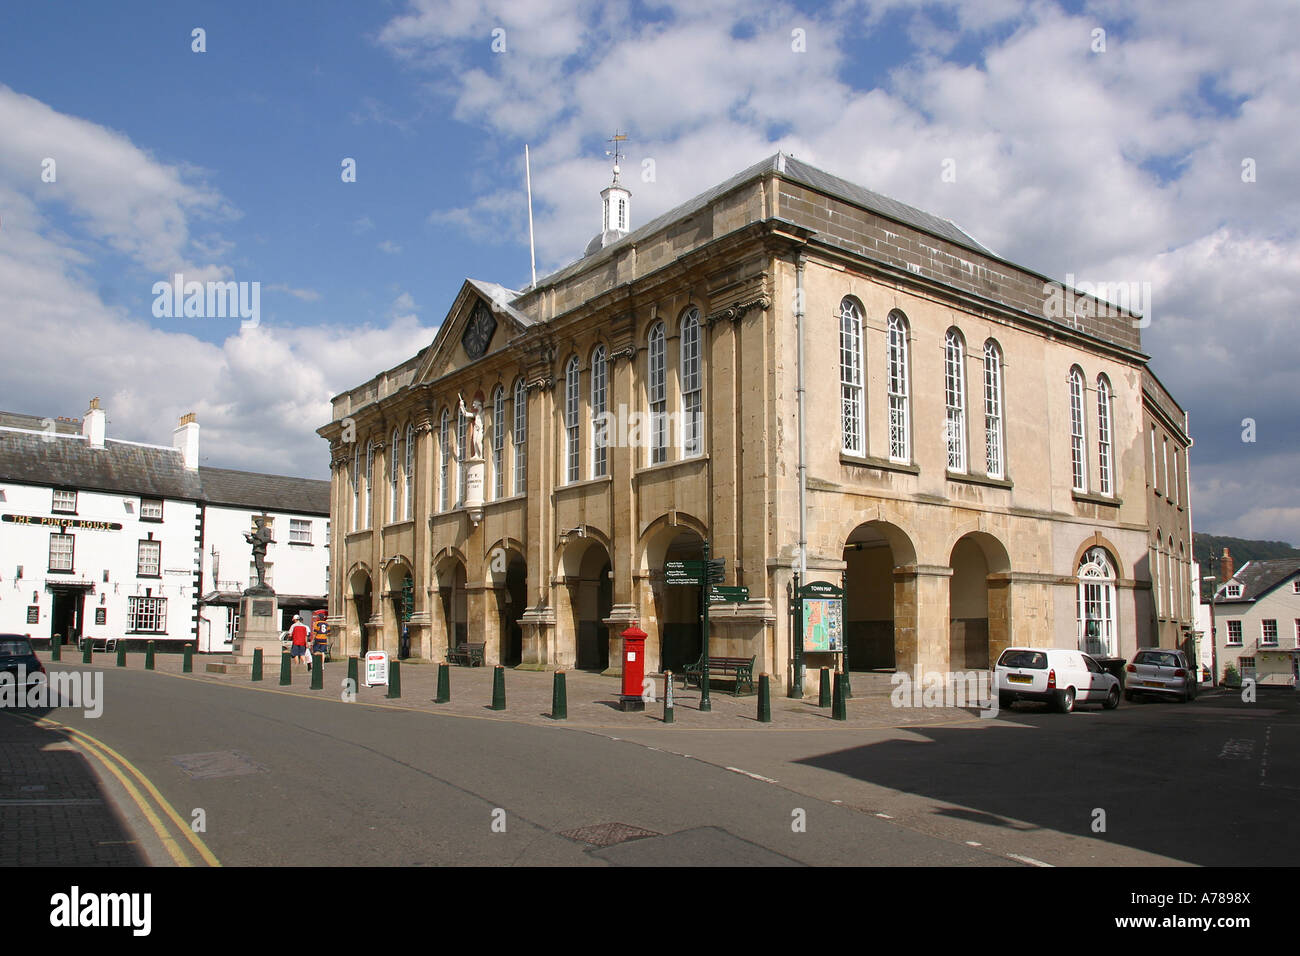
[559, 698]
[148, 656]
[352, 674]
[121, 653]
[668, 697]
[56, 648]
[257, 663]
[764, 700]
[848, 688]
[187, 660]
[394, 680]
[498, 688]
[286, 669]
[824, 692]
[86, 650]
[444, 684]
[838, 711]
[318, 672]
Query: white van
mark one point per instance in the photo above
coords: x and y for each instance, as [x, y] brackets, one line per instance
[1057, 676]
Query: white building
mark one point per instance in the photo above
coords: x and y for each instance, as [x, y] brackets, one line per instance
[1257, 621]
[123, 540]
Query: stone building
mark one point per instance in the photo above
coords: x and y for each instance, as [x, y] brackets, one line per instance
[807, 376]
[1169, 517]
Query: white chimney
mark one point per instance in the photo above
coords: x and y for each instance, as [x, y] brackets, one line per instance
[92, 426]
[186, 440]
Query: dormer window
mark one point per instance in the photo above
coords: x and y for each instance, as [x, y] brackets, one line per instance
[1232, 591]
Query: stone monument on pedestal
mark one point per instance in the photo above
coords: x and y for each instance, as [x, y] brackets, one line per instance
[259, 615]
[474, 463]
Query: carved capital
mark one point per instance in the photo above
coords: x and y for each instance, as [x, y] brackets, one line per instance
[736, 312]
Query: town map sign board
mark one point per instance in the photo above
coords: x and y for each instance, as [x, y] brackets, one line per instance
[821, 614]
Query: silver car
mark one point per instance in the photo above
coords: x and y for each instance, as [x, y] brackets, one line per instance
[1160, 671]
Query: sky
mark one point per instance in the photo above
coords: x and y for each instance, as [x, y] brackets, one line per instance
[1113, 141]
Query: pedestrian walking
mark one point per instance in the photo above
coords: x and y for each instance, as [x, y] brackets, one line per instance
[298, 638]
[320, 635]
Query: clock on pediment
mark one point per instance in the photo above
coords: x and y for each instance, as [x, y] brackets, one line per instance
[478, 331]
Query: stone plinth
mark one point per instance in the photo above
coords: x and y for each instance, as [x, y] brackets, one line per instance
[259, 617]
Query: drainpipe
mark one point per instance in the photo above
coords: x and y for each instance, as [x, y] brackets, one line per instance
[803, 465]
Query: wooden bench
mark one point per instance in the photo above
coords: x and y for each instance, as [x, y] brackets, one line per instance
[105, 644]
[468, 655]
[741, 668]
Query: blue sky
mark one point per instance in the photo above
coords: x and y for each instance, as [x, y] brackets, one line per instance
[1115, 164]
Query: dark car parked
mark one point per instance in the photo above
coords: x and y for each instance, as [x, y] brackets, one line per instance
[17, 656]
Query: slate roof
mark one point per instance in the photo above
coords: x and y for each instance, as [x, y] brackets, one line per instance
[150, 471]
[246, 489]
[502, 296]
[69, 461]
[63, 426]
[1257, 578]
[797, 172]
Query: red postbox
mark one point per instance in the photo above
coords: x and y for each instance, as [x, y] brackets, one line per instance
[633, 697]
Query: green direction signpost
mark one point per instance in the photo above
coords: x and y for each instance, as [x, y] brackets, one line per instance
[684, 572]
[719, 594]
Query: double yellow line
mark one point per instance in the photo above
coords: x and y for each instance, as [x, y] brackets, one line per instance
[120, 767]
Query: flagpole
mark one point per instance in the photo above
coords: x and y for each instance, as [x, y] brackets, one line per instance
[528, 180]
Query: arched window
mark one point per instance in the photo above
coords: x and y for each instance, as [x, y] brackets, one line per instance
[1157, 577]
[394, 453]
[461, 424]
[994, 454]
[1103, 435]
[1078, 452]
[692, 390]
[498, 443]
[1170, 573]
[370, 481]
[850, 378]
[444, 461]
[900, 444]
[599, 406]
[520, 436]
[1095, 609]
[954, 398]
[572, 432]
[356, 484]
[1183, 584]
[409, 473]
[657, 394]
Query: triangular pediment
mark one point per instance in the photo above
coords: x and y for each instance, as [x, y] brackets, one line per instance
[481, 321]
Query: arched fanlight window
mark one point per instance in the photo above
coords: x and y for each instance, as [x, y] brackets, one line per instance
[1095, 609]
[394, 456]
[409, 473]
[994, 451]
[572, 431]
[954, 398]
[1104, 462]
[692, 388]
[1078, 452]
[851, 362]
[900, 442]
[444, 461]
[657, 393]
[520, 437]
[498, 443]
[599, 406]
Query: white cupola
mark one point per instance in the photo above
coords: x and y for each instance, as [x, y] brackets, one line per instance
[616, 208]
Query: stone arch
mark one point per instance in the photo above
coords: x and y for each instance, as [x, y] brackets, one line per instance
[879, 596]
[978, 605]
[657, 537]
[584, 602]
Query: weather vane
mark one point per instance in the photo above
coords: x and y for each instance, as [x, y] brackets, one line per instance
[617, 152]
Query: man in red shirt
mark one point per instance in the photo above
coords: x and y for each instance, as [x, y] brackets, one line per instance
[298, 637]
